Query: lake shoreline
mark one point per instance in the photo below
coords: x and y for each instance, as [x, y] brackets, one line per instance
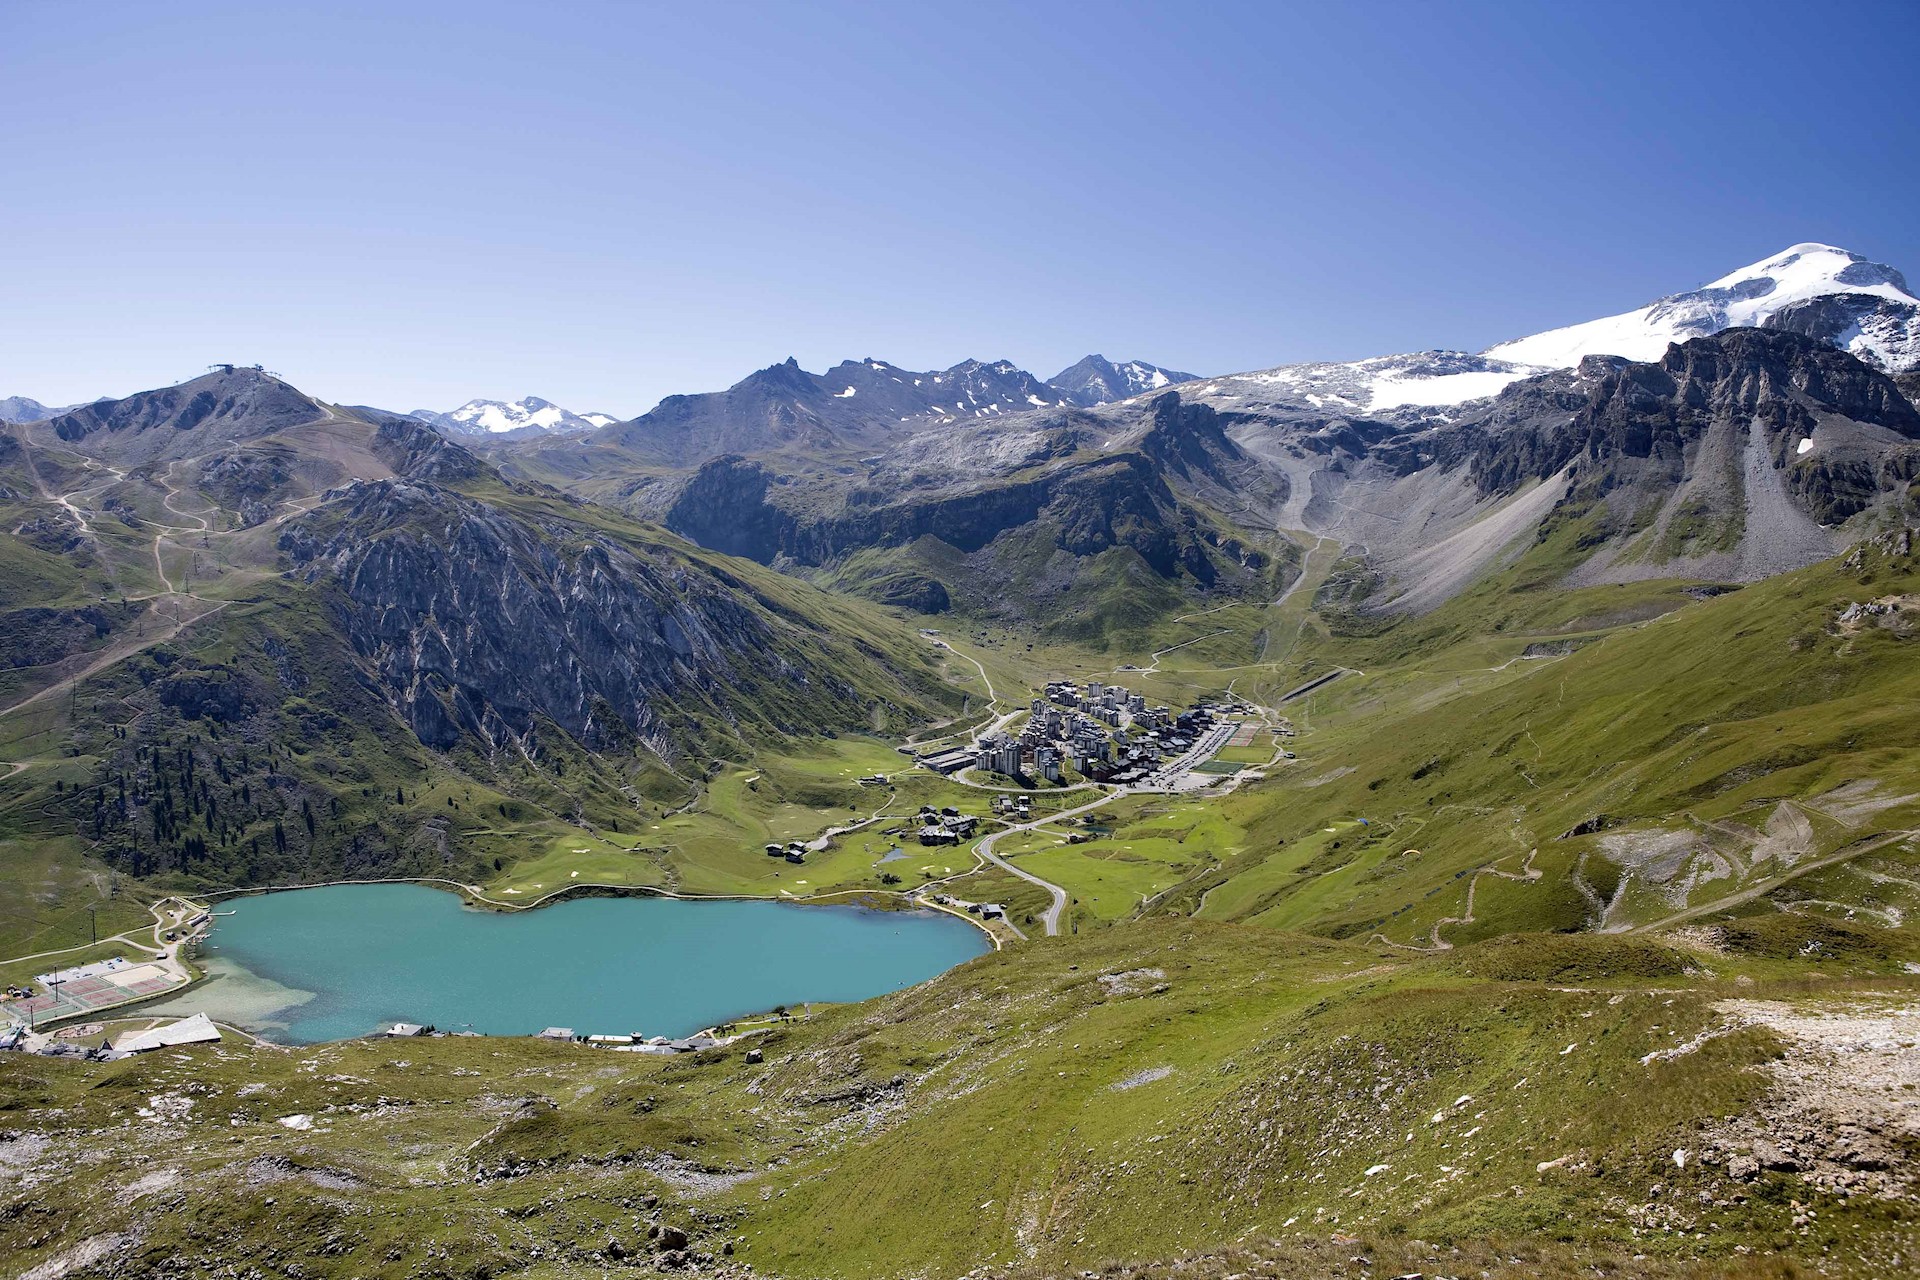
[727, 978]
[472, 896]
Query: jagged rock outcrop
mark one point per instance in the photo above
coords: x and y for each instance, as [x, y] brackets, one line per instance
[421, 454]
[247, 482]
[477, 620]
[1780, 383]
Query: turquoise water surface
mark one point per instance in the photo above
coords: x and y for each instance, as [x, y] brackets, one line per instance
[325, 964]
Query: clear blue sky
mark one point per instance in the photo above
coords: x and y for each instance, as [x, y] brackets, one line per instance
[412, 204]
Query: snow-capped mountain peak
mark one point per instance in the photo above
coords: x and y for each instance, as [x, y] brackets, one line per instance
[527, 416]
[1098, 380]
[1825, 292]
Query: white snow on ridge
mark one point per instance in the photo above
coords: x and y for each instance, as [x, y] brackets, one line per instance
[495, 417]
[1747, 297]
[1884, 331]
[1446, 389]
[1421, 378]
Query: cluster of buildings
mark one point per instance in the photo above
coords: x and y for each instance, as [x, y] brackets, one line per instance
[67, 1043]
[985, 910]
[637, 1043]
[634, 1043]
[945, 826]
[1104, 732]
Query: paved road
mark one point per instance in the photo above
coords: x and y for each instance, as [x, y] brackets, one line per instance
[1050, 918]
[1163, 781]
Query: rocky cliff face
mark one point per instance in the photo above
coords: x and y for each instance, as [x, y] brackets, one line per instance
[1807, 405]
[476, 620]
[1732, 457]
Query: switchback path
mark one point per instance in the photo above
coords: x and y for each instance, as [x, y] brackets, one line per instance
[1527, 873]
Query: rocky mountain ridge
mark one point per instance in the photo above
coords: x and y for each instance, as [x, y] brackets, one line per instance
[1733, 457]
[854, 406]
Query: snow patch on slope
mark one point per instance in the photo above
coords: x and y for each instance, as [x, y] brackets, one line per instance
[1424, 379]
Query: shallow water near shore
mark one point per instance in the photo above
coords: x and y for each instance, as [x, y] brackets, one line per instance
[307, 965]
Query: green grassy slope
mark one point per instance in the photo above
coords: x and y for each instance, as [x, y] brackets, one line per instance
[1640, 767]
[1133, 1094]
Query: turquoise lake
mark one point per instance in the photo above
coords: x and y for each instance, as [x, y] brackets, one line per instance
[307, 965]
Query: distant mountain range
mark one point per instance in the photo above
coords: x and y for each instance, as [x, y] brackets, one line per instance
[528, 416]
[981, 489]
[856, 401]
[1116, 488]
[860, 404]
[22, 409]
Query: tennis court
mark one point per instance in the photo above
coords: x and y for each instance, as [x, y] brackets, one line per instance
[96, 986]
